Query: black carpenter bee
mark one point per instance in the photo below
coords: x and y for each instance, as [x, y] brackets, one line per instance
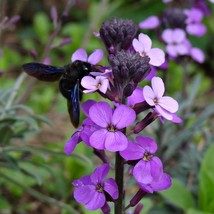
[69, 78]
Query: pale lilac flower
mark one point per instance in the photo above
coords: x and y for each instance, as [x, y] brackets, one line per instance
[193, 21]
[90, 190]
[108, 136]
[164, 105]
[144, 46]
[92, 84]
[175, 39]
[150, 23]
[93, 59]
[149, 168]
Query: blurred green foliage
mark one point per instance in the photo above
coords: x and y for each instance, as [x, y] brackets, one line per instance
[34, 123]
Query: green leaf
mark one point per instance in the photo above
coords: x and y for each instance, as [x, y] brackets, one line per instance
[42, 26]
[206, 182]
[179, 196]
[193, 211]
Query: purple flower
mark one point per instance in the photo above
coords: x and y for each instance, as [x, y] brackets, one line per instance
[90, 190]
[164, 105]
[148, 171]
[91, 84]
[93, 59]
[149, 168]
[193, 21]
[108, 136]
[175, 39]
[144, 46]
[150, 23]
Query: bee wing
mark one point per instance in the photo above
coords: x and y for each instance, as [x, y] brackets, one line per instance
[43, 72]
[74, 106]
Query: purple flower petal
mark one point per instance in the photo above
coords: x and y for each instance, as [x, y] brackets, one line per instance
[133, 151]
[164, 183]
[72, 142]
[150, 23]
[176, 119]
[171, 50]
[110, 186]
[146, 187]
[116, 141]
[151, 74]
[167, 36]
[100, 173]
[85, 180]
[156, 168]
[95, 57]
[158, 87]
[89, 83]
[146, 41]
[182, 49]
[157, 56]
[142, 172]
[87, 105]
[101, 114]
[97, 200]
[79, 54]
[178, 35]
[197, 29]
[138, 46]
[103, 83]
[147, 143]
[98, 139]
[136, 97]
[123, 116]
[81, 194]
[197, 54]
[168, 103]
[167, 115]
[149, 95]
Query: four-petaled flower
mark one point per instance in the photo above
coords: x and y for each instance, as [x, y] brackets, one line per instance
[144, 46]
[110, 122]
[193, 21]
[164, 105]
[148, 171]
[90, 190]
[91, 84]
[175, 39]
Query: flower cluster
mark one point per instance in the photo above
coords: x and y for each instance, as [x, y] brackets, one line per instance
[113, 126]
[177, 22]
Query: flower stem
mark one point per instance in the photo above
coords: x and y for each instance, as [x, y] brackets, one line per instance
[119, 169]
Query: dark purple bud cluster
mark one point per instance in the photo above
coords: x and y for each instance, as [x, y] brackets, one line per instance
[117, 34]
[174, 18]
[128, 70]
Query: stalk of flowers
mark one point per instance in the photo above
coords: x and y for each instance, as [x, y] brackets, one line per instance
[112, 125]
[176, 23]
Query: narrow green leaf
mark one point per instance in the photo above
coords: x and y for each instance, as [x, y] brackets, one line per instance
[193, 211]
[179, 196]
[206, 182]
